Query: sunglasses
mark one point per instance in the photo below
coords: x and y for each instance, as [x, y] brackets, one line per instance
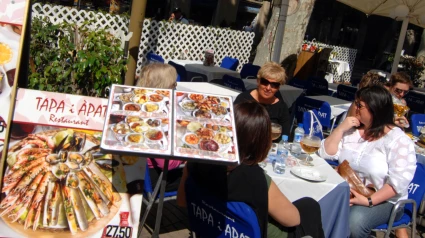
[266, 83]
[401, 91]
[359, 105]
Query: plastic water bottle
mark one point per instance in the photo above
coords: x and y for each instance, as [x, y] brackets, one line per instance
[281, 156]
[298, 136]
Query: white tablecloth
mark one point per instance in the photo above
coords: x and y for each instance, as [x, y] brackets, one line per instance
[295, 188]
[289, 93]
[207, 88]
[211, 72]
[341, 66]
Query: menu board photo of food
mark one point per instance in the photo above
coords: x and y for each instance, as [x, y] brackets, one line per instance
[57, 181]
[204, 127]
[138, 120]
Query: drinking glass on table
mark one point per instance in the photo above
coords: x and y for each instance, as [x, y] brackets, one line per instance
[276, 131]
[309, 144]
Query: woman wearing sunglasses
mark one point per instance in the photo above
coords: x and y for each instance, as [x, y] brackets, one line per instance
[270, 76]
[380, 153]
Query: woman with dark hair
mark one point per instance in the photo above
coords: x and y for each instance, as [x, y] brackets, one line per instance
[380, 153]
[248, 183]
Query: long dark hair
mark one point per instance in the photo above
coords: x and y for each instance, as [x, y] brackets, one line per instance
[380, 105]
[253, 129]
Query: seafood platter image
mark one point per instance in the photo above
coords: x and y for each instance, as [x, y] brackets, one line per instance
[58, 183]
[138, 120]
[204, 127]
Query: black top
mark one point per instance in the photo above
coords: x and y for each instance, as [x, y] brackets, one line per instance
[278, 112]
[243, 184]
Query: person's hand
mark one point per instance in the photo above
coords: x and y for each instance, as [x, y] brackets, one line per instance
[172, 16]
[358, 199]
[401, 121]
[349, 123]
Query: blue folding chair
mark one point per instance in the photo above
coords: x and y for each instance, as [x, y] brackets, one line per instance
[416, 102]
[181, 71]
[229, 63]
[233, 82]
[303, 84]
[151, 57]
[304, 104]
[345, 92]
[210, 216]
[319, 86]
[416, 191]
[309, 123]
[418, 121]
[249, 71]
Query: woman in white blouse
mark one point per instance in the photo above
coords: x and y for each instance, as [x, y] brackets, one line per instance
[379, 152]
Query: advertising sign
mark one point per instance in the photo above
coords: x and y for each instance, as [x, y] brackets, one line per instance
[56, 180]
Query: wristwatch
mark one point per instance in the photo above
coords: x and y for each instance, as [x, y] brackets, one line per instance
[370, 202]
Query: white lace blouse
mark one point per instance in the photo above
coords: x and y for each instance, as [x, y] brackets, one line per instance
[390, 159]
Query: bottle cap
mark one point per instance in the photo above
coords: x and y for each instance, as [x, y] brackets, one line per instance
[284, 137]
[300, 125]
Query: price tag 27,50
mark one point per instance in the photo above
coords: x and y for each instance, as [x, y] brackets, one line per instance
[111, 231]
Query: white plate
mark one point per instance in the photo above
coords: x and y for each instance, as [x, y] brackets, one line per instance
[308, 174]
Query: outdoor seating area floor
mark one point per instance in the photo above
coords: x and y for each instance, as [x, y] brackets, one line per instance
[175, 223]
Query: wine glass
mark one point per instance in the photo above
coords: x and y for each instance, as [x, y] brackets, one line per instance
[276, 131]
[400, 108]
[309, 144]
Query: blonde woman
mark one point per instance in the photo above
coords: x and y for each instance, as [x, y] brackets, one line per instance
[158, 75]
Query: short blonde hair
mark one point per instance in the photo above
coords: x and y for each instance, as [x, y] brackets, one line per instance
[157, 75]
[272, 70]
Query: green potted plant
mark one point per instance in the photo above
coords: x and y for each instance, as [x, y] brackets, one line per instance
[74, 59]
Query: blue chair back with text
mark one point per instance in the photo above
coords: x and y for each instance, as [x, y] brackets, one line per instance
[415, 101]
[307, 124]
[212, 217]
[346, 92]
[303, 84]
[418, 121]
[319, 86]
[249, 71]
[323, 109]
[233, 82]
[229, 63]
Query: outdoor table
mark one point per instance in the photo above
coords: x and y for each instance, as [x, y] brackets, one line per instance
[202, 87]
[419, 90]
[211, 72]
[289, 93]
[184, 62]
[333, 195]
[334, 86]
[338, 106]
[339, 66]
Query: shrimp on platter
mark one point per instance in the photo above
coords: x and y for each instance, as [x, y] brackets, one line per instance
[24, 200]
[29, 155]
[30, 172]
[36, 201]
[41, 141]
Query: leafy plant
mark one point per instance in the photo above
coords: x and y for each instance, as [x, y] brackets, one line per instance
[74, 59]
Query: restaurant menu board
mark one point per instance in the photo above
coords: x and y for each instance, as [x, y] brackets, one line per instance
[56, 181]
[170, 123]
[12, 14]
[138, 120]
[204, 127]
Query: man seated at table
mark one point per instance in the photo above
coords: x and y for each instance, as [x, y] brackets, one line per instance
[269, 79]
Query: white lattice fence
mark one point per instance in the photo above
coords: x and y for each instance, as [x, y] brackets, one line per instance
[57, 14]
[344, 54]
[170, 40]
[174, 40]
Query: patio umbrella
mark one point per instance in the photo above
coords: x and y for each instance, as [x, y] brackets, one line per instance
[412, 11]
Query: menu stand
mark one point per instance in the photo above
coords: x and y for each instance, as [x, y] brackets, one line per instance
[162, 182]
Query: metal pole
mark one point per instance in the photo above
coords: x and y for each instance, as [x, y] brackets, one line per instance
[136, 23]
[400, 45]
[284, 4]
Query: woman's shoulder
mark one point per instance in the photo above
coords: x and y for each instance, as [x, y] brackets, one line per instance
[244, 96]
[396, 134]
